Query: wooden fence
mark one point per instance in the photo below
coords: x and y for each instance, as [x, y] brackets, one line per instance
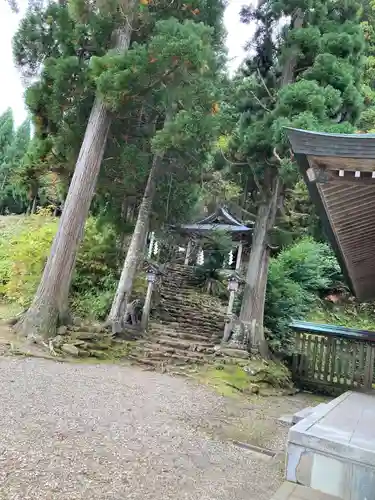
[332, 358]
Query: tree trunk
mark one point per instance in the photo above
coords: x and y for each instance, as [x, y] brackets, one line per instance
[252, 308]
[33, 206]
[52, 294]
[134, 253]
[253, 301]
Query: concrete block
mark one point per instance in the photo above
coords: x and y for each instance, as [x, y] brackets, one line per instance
[328, 475]
[362, 484]
[300, 415]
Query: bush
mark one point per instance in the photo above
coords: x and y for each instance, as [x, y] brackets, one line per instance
[216, 246]
[24, 252]
[311, 264]
[23, 256]
[296, 278]
[95, 279]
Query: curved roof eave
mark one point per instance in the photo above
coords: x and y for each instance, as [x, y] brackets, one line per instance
[326, 144]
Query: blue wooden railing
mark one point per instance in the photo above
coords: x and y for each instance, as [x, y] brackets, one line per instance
[333, 357]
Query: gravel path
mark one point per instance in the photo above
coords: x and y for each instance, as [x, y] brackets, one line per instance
[72, 432]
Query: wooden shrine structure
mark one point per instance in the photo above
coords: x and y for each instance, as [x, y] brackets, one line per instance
[192, 233]
[331, 449]
[220, 220]
[339, 170]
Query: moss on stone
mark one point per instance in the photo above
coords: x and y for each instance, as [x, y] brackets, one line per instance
[257, 377]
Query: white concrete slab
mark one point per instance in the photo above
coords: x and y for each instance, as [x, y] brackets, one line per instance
[332, 450]
[342, 428]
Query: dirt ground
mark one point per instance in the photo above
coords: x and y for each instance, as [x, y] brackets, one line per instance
[80, 431]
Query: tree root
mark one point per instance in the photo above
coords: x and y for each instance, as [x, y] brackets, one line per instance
[49, 346]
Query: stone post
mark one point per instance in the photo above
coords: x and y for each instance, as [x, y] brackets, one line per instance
[228, 322]
[188, 252]
[239, 255]
[147, 306]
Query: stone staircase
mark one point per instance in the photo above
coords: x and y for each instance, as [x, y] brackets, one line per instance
[189, 323]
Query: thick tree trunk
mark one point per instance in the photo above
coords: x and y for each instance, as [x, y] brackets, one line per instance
[252, 308]
[51, 298]
[134, 254]
[253, 302]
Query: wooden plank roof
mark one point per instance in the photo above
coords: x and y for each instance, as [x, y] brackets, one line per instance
[339, 170]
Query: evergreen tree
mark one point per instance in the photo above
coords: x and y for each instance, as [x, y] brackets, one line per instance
[182, 90]
[308, 75]
[60, 109]
[50, 304]
[13, 146]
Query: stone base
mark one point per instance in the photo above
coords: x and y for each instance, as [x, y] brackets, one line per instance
[333, 449]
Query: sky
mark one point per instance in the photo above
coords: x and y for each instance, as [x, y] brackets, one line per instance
[11, 88]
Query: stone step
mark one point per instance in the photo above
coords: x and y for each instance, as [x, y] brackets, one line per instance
[178, 358]
[193, 314]
[186, 345]
[200, 328]
[183, 335]
[166, 350]
[205, 309]
[189, 295]
[145, 361]
[205, 333]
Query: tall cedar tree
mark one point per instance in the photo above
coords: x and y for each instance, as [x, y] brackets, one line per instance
[307, 74]
[182, 73]
[50, 304]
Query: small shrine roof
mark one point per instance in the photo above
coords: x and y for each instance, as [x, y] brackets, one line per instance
[221, 219]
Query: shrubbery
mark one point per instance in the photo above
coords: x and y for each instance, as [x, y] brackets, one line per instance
[298, 276]
[23, 254]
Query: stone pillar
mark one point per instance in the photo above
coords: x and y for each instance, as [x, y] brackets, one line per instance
[147, 306]
[228, 322]
[239, 255]
[187, 254]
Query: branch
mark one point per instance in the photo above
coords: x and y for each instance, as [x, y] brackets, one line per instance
[264, 85]
[229, 161]
[156, 82]
[259, 102]
[276, 155]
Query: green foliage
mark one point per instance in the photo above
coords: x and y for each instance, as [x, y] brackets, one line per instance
[216, 246]
[23, 253]
[348, 313]
[23, 258]
[95, 278]
[298, 276]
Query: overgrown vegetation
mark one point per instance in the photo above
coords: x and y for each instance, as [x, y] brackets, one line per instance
[24, 246]
[184, 138]
[298, 278]
[257, 377]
